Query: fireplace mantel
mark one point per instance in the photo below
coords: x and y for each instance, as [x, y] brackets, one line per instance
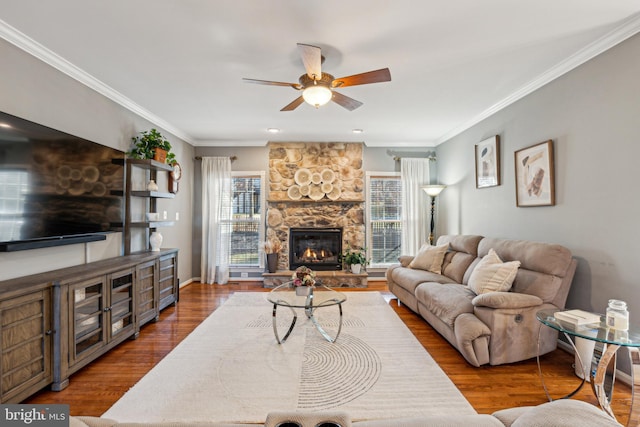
[315, 201]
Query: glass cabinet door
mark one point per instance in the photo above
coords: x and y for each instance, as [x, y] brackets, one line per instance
[88, 304]
[121, 308]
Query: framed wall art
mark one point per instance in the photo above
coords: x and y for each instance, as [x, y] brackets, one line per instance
[535, 175]
[488, 162]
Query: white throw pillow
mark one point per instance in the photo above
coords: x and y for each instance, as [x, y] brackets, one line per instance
[493, 275]
[430, 258]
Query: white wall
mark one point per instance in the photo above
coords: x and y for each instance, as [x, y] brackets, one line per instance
[33, 90]
[593, 116]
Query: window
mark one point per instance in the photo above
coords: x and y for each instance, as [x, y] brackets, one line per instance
[247, 223]
[384, 226]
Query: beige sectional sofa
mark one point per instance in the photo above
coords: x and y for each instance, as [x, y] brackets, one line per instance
[560, 413]
[488, 327]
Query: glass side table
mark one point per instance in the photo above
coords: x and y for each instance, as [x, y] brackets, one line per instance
[319, 296]
[603, 364]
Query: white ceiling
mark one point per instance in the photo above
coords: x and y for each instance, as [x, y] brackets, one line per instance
[180, 63]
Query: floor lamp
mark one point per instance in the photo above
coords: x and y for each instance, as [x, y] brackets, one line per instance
[433, 191]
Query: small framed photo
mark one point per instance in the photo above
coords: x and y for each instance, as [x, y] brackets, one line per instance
[488, 162]
[535, 175]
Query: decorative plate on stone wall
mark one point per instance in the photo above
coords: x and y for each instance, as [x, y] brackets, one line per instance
[327, 176]
[326, 187]
[316, 178]
[316, 192]
[302, 176]
[335, 193]
[294, 192]
[305, 189]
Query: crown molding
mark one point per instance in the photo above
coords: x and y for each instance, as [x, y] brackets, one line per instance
[32, 47]
[230, 142]
[628, 28]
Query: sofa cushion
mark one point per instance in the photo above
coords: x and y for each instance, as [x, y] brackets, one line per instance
[409, 278]
[559, 413]
[493, 275]
[535, 256]
[405, 260]
[429, 258]
[446, 301]
[461, 243]
[451, 420]
[463, 250]
[80, 421]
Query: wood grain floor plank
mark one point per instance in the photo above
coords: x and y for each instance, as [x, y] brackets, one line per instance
[96, 387]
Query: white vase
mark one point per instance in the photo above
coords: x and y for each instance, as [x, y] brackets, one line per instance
[152, 186]
[303, 290]
[155, 240]
[355, 268]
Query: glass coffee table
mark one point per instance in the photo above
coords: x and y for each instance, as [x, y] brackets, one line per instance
[314, 298]
[603, 364]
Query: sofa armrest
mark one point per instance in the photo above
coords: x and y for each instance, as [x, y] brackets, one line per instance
[562, 412]
[506, 300]
[86, 421]
[405, 260]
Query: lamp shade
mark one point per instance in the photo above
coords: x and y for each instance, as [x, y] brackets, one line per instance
[434, 189]
[317, 95]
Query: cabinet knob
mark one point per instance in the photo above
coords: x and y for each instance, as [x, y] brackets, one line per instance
[106, 309]
[49, 332]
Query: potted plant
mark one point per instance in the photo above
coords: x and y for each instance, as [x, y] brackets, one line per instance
[355, 259]
[304, 279]
[152, 145]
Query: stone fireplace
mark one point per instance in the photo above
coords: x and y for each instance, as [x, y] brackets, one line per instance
[314, 208]
[317, 248]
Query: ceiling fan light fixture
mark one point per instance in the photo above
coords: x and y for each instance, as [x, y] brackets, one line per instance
[317, 95]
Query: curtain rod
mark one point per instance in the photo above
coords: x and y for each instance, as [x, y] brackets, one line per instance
[232, 158]
[397, 155]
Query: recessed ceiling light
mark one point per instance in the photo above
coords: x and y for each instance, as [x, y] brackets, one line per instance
[357, 131]
[5, 125]
[273, 130]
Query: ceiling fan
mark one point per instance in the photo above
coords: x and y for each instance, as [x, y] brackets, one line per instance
[318, 87]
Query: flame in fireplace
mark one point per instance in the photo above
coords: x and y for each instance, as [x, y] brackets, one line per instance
[310, 254]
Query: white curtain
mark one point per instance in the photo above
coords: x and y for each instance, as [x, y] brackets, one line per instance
[415, 204]
[216, 219]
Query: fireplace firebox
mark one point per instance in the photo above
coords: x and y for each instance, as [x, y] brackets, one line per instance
[316, 248]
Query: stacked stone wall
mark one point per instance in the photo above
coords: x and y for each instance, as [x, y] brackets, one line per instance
[346, 211]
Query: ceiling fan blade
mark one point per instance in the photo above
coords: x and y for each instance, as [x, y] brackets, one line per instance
[294, 104]
[312, 60]
[348, 103]
[377, 76]
[296, 86]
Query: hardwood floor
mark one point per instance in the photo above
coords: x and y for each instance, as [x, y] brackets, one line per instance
[95, 388]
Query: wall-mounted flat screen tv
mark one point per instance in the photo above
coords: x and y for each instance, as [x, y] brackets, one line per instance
[55, 188]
